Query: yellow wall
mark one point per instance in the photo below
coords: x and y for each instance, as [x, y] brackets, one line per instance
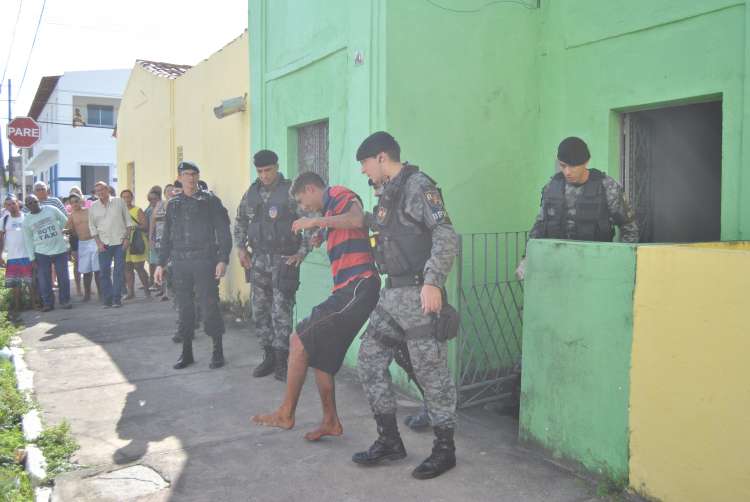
[221, 147]
[159, 115]
[144, 132]
[690, 380]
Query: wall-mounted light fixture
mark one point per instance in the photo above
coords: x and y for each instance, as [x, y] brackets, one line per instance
[230, 106]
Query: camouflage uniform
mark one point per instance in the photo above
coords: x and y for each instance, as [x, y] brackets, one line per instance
[271, 308]
[398, 314]
[620, 213]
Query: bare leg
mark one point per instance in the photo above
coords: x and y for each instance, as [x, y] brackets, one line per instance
[77, 277]
[130, 280]
[151, 270]
[17, 297]
[141, 269]
[87, 286]
[331, 425]
[295, 379]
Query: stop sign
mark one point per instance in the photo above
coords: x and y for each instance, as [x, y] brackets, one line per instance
[23, 132]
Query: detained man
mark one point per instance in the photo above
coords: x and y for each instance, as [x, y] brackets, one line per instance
[322, 339]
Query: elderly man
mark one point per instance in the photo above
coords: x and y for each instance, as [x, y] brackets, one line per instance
[110, 224]
[41, 191]
[45, 246]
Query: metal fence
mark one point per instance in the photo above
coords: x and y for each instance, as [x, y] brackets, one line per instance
[490, 301]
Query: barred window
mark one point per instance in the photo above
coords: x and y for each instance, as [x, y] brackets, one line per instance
[312, 149]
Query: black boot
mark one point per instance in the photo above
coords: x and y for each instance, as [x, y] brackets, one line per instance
[279, 370]
[186, 358]
[443, 457]
[388, 446]
[265, 368]
[177, 337]
[217, 358]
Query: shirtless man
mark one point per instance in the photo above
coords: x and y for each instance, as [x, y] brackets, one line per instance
[86, 256]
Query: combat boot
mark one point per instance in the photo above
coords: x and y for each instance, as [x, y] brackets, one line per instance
[186, 358]
[443, 457]
[388, 446]
[217, 358]
[279, 370]
[265, 368]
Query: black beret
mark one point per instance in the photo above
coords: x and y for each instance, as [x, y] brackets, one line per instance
[187, 166]
[573, 151]
[265, 158]
[376, 143]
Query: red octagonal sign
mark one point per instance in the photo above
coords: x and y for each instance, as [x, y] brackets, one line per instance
[23, 132]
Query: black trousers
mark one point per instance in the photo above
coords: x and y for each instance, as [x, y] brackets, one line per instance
[194, 281]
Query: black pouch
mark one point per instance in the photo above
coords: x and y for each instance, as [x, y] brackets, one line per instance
[287, 278]
[395, 339]
[446, 323]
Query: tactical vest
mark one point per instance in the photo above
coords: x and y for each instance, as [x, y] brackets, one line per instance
[271, 228]
[401, 249]
[192, 228]
[592, 213]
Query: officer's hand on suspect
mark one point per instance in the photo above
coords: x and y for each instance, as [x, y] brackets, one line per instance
[432, 299]
[245, 260]
[295, 260]
[158, 275]
[317, 239]
[304, 223]
[221, 269]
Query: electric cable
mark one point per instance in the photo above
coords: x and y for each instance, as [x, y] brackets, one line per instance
[33, 43]
[12, 41]
[478, 9]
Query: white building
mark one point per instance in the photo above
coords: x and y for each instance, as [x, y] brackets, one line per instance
[77, 113]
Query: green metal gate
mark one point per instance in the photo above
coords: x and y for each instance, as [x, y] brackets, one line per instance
[490, 301]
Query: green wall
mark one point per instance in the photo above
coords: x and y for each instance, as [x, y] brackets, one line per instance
[578, 325]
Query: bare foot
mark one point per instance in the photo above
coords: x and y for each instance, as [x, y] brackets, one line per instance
[325, 429]
[277, 419]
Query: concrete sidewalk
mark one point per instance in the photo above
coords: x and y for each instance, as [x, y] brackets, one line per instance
[109, 373]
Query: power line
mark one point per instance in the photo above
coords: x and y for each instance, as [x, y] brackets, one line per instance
[478, 9]
[33, 43]
[12, 41]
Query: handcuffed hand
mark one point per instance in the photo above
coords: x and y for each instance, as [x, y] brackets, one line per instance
[521, 270]
[304, 223]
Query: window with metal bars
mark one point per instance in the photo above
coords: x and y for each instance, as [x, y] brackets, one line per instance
[312, 149]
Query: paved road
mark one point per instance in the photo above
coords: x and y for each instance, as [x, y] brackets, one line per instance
[109, 372]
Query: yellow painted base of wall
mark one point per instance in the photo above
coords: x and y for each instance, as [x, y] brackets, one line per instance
[690, 378]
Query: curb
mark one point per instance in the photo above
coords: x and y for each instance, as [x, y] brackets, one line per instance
[31, 424]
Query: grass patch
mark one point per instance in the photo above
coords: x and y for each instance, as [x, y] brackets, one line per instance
[15, 485]
[58, 445]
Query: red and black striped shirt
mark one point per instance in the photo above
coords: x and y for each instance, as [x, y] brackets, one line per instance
[348, 250]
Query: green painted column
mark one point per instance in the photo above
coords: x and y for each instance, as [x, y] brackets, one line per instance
[578, 324]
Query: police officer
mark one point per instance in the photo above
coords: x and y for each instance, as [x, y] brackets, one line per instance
[197, 240]
[264, 225]
[581, 204]
[416, 247]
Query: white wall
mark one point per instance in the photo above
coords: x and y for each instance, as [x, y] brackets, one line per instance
[71, 147]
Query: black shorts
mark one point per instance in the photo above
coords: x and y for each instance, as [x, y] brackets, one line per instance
[332, 325]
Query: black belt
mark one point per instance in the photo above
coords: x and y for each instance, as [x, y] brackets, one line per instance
[402, 281]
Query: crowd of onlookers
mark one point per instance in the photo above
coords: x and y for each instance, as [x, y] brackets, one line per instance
[108, 240]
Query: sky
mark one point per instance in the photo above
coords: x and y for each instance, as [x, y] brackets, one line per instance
[105, 34]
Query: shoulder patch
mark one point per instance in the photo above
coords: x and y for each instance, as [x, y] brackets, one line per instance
[437, 207]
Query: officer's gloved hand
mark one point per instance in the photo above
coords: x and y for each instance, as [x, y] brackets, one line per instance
[521, 270]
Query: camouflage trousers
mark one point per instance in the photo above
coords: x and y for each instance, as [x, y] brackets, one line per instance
[271, 309]
[429, 359]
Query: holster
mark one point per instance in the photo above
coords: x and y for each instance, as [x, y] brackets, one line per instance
[286, 278]
[446, 323]
[397, 338]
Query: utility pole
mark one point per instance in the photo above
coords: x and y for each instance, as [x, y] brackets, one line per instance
[10, 117]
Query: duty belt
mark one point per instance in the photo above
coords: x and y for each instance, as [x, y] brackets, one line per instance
[402, 281]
